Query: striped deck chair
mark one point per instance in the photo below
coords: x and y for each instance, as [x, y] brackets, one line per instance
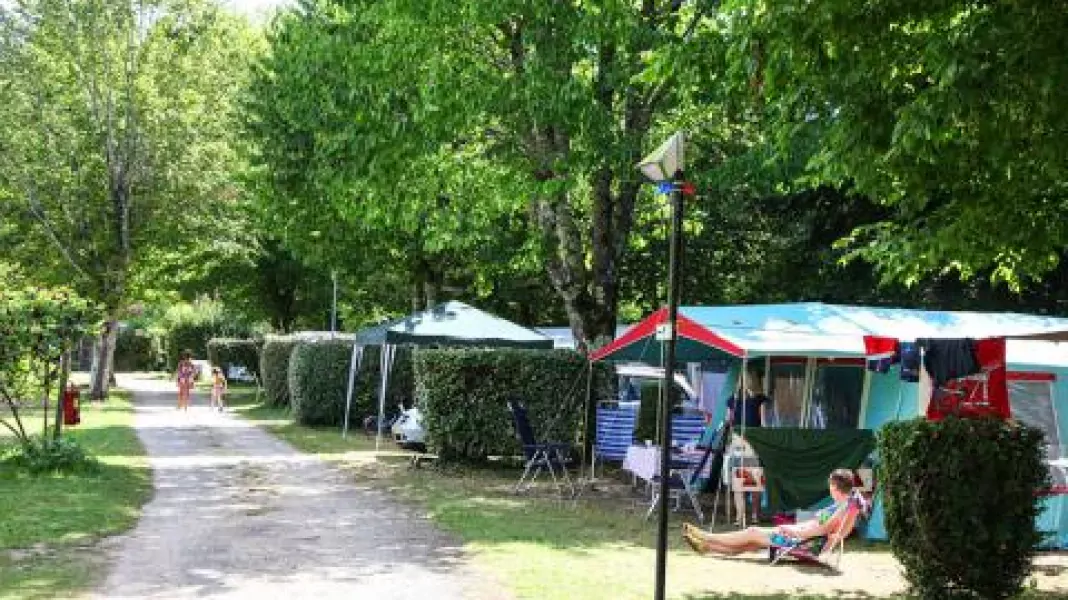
[821, 550]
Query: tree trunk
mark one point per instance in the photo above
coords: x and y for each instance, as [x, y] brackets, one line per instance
[103, 359]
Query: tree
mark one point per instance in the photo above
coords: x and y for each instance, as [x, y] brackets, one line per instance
[38, 328]
[116, 117]
[950, 114]
[505, 107]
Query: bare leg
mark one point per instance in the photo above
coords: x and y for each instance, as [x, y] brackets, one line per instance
[735, 542]
[739, 505]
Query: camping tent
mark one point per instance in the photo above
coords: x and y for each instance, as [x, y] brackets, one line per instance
[448, 324]
[812, 357]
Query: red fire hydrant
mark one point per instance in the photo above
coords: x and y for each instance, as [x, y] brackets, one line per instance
[72, 414]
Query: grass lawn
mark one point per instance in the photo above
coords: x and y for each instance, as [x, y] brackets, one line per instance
[597, 547]
[545, 548]
[49, 524]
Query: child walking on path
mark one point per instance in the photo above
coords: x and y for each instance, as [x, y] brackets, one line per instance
[218, 389]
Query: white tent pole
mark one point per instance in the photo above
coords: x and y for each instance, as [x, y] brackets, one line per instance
[388, 351]
[383, 380]
[354, 367]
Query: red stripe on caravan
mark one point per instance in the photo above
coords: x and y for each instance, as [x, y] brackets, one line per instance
[1031, 376]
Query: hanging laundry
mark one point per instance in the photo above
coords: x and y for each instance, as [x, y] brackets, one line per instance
[881, 352]
[985, 395]
[948, 359]
[910, 362]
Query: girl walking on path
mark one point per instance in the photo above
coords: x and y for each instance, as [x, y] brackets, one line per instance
[186, 374]
[218, 389]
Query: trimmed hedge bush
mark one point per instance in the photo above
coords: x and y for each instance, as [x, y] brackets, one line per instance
[960, 504]
[318, 379]
[136, 350]
[463, 394]
[318, 382]
[274, 369]
[233, 352]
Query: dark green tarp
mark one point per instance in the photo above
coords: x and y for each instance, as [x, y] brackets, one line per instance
[454, 324]
[797, 461]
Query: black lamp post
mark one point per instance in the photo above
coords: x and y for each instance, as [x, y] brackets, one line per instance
[664, 167]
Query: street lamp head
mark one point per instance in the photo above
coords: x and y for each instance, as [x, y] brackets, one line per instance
[665, 162]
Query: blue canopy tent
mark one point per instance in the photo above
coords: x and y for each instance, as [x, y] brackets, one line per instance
[817, 344]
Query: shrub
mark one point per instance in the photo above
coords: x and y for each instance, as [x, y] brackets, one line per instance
[138, 350]
[648, 414]
[231, 352]
[960, 504]
[44, 455]
[463, 394]
[190, 326]
[318, 382]
[274, 369]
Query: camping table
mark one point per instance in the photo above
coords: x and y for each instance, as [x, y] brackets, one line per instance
[644, 462]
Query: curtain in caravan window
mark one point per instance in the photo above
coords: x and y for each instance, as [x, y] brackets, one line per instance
[787, 391]
[1032, 404]
[836, 397]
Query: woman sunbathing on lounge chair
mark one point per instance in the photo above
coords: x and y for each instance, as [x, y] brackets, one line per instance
[814, 532]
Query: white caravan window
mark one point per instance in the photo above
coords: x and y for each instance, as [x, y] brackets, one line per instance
[1031, 402]
[787, 391]
[836, 396]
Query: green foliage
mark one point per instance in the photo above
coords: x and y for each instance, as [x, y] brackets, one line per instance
[231, 352]
[463, 395]
[960, 504]
[37, 327]
[648, 414]
[138, 350]
[924, 107]
[318, 381]
[46, 456]
[190, 326]
[274, 369]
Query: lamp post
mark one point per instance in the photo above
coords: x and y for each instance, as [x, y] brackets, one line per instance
[664, 167]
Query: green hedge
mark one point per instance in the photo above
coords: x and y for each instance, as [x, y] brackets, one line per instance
[137, 350]
[233, 352]
[960, 504]
[318, 382]
[318, 379]
[274, 369]
[463, 395]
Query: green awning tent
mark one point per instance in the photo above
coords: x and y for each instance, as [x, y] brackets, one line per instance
[451, 324]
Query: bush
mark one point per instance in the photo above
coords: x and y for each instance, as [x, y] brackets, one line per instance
[189, 327]
[43, 455]
[463, 394]
[960, 504]
[274, 369]
[231, 352]
[318, 382]
[137, 350]
[648, 414]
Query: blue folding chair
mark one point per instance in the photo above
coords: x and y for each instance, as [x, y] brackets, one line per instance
[551, 456]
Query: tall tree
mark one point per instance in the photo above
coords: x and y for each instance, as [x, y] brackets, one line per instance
[116, 117]
[539, 107]
[949, 113]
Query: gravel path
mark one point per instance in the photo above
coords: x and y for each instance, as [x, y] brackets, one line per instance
[240, 514]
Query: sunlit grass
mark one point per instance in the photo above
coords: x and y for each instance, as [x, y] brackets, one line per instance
[44, 520]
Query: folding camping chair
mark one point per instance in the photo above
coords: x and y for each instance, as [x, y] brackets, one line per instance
[684, 476]
[552, 456]
[856, 507]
